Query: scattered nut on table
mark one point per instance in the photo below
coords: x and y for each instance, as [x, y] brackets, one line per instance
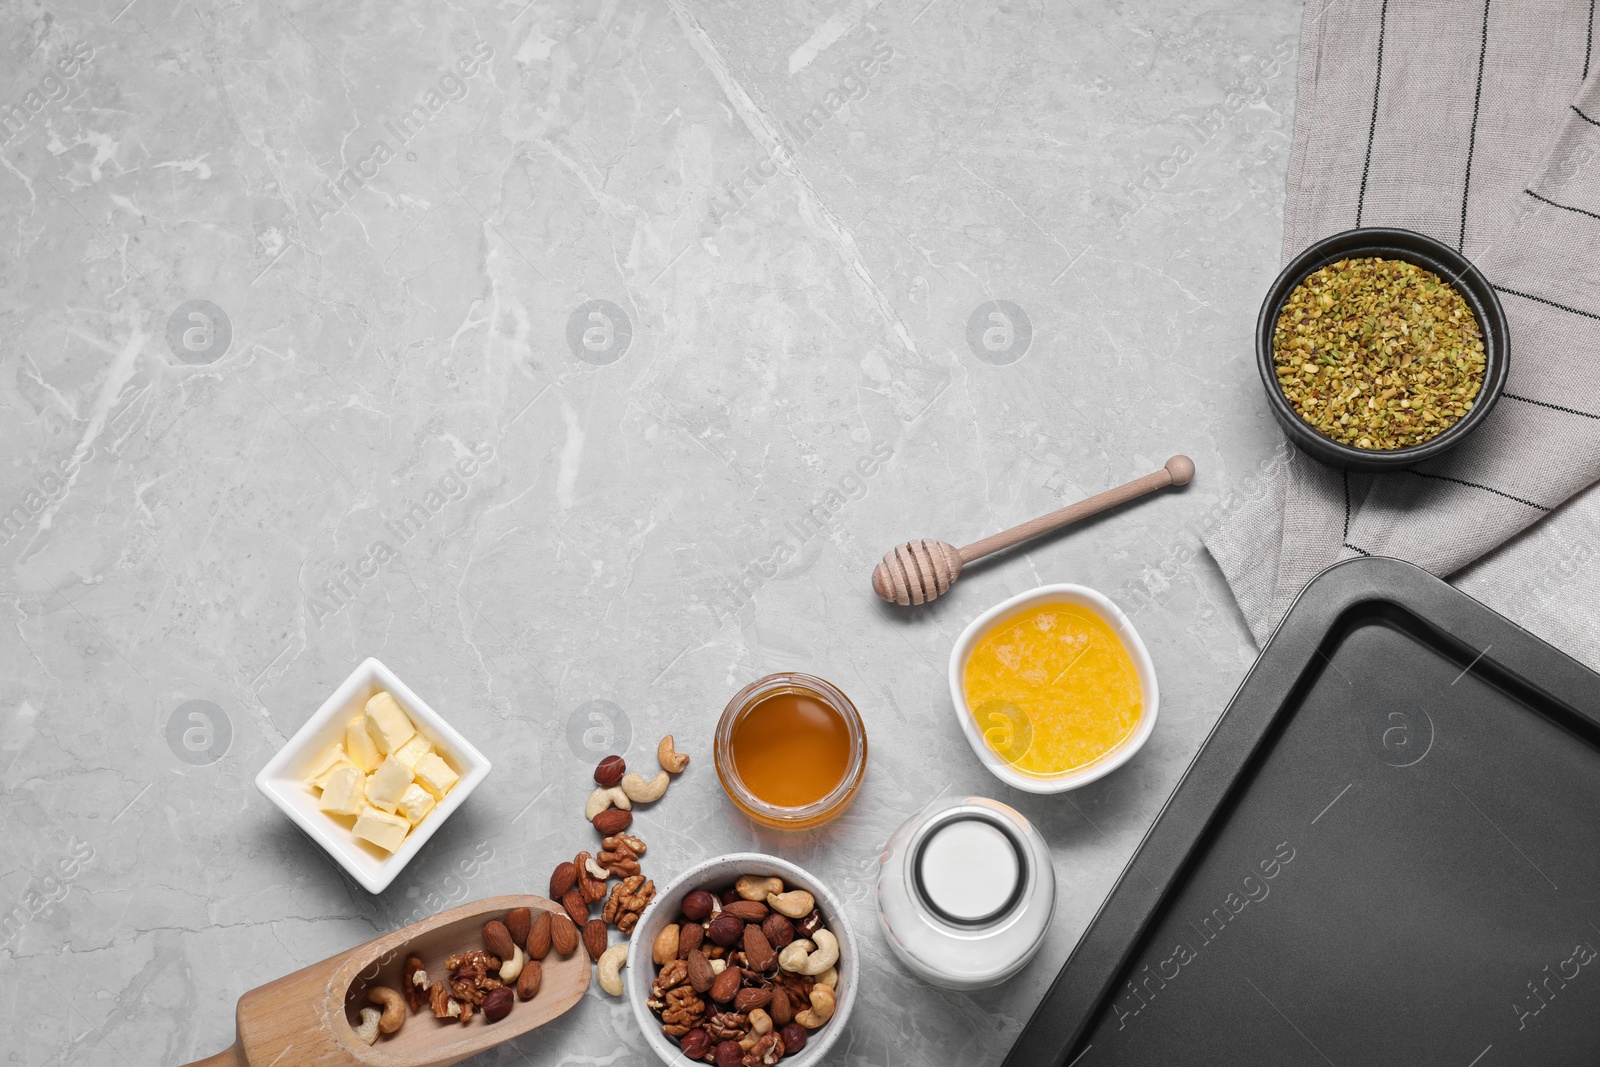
[610, 968]
[669, 758]
[637, 789]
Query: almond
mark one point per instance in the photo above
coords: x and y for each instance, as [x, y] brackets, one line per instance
[747, 999]
[539, 936]
[751, 911]
[594, 938]
[613, 821]
[497, 939]
[726, 985]
[563, 878]
[758, 951]
[781, 1010]
[689, 939]
[700, 975]
[576, 906]
[563, 935]
[610, 771]
[519, 921]
[529, 980]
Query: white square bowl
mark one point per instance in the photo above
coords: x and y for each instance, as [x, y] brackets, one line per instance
[282, 780]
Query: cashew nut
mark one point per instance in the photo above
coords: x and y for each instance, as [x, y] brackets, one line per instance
[642, 792]
[794, 954]
[669, 758]
[822, 1004]
[368, 1030]
[611, 964]
[760, 1021]
[826, 955]
[393, 1005]
[595, 869]
[513, 967]
[752, 888]
[603, 798]
[718, 966]
[829, 978]
[796, 903]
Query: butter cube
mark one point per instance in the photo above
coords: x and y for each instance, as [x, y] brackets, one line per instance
[435, 775]
[415, 803]
[325, 763]
[382, 829]
[387, 784]
[387, 723]
[359, 746]
[342, 794]
[321, 781]
[413, 750]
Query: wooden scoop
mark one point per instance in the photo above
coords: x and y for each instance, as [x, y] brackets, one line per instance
[305, 1019]
[918, 571]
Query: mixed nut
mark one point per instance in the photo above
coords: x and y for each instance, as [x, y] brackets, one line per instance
[581, 884]
[488, 981]
[745, 973]
[508, 968]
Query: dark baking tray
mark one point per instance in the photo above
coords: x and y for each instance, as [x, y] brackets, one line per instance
[1387, 852]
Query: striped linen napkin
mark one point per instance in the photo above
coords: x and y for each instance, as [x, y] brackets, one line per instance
[1476, 122]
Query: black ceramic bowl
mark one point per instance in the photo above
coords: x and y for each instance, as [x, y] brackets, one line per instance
[1425, 252]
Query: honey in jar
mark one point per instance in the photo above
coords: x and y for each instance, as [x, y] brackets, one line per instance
[791, 750]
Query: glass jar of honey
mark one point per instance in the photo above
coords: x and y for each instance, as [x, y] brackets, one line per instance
[791, 751]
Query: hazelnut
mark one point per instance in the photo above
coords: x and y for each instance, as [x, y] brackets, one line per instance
[810, 924]
[793, 1037]
[497, 1005]
[730, 896]
[695, 1044]
[778, 929]
[729, 1054]
[726, 930]
[610, 771]
[697, 905]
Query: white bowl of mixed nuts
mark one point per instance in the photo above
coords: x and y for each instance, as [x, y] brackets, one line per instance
[773, 960]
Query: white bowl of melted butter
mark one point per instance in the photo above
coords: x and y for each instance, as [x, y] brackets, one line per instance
[1053, 688]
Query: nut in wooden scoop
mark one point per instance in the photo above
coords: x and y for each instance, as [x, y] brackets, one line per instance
[918, 571]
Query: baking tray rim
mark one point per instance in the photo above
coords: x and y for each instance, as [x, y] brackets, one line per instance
[1205, 790]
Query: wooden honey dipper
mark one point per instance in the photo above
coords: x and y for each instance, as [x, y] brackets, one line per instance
[918, 571]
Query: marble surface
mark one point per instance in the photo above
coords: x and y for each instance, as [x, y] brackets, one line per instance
[709, 287]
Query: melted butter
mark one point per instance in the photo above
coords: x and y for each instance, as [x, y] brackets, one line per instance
[1053, 689]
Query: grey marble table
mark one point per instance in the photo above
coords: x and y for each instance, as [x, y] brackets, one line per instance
[676, 268]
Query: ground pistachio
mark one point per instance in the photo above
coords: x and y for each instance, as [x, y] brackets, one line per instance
[1378, 353]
